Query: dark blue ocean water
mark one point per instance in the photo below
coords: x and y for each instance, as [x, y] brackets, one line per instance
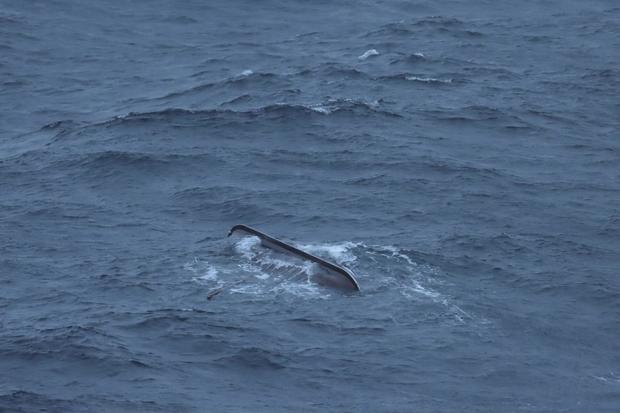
[462, 157]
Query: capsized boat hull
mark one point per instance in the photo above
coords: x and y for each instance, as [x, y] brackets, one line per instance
[326, 273]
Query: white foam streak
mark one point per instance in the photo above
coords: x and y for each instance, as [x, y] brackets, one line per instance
[413, 286]
[396, 253]
[611, 378]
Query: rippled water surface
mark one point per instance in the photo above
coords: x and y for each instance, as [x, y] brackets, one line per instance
[461, 157]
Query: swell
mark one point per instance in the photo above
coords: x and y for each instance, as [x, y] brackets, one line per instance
[233, 202]
[42, 161]
[436, 24]
[254, 358]
[239, 81]
[189, 118]
[478, 113]
[441, 80]
[19, 401]
[244, 87]
[333, 69]
[85, 346]
[109, 160]
[378, 170]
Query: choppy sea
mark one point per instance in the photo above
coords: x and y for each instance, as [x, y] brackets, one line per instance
[461, 157]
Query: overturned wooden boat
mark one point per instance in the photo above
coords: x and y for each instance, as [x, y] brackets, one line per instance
[326, 273]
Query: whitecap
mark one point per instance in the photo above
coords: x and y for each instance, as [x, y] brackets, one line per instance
[245, 246]
[340, 252]
[320, 109]
[368, 53]
[428, 79]
[609, 378]
[247, 72]
[203, 271]
[209, 275]
[248, 288]
[301, 289]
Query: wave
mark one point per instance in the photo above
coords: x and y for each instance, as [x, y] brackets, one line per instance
[332, 69]
[202, 192]
[280, 273]
[179, 19]
[500, 73]
[436, 81]
[253, 358]
[351, 106]
[609, 75]
[428, 79]
[412, 58]
[268, 273]
[204, 272]
[6, 20]
[343, 106]
[333, 325]
[19, 401]
[156, 320]
[368, 53]
[414, 280]
[243, 79]
[540, 38]
[448, 25]
[110, 167]
[110, 159]
[259, 272]
[438, 21]
[84, 345]
[478, 113]
[392, 29]
[237, 100]
[340, 252]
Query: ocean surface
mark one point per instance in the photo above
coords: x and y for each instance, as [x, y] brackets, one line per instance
[461, 157]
